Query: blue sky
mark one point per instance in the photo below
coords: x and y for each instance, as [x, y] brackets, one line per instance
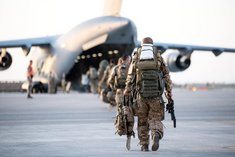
[201, 22]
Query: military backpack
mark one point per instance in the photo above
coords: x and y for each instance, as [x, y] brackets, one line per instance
[120, 76]
[149, 77]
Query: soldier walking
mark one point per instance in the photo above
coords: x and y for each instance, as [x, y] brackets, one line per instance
[149, 75]
[124, 118]
[93, 79]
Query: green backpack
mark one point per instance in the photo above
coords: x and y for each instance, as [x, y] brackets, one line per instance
[149, 78]
[121, 75]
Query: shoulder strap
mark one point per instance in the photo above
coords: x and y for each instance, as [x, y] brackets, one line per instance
[156, 56]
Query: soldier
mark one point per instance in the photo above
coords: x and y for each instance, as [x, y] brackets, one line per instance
[29, 78]
[85, 83]
[112, 93]
[93, 79]
[103, 84]
[147, 73]
[102, 66]
[63, 83]
[117, 82]
[51, 83]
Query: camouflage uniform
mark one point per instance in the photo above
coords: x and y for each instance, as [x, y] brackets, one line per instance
[93, 79]
[150, 110]
[102, 66]
[119, 98]
[51, 84]
[105, 92]
[63, 83]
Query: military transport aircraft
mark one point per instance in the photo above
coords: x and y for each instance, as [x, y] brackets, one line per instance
[105, 37]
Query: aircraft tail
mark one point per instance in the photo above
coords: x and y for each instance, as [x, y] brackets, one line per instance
[112, 7]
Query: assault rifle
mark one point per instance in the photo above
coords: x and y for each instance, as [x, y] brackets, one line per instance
[170, 109]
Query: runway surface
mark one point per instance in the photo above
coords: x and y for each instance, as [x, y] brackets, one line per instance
[75, 124]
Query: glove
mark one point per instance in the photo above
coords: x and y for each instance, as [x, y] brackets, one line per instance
[168, 95]
[170, 106]
[125, 110]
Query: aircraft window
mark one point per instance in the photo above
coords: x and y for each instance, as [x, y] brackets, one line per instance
[115, 51]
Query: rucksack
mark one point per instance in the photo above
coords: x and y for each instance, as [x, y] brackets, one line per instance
[121, 75]
[149, 78]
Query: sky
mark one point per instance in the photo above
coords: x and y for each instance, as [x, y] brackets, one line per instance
[195, 22]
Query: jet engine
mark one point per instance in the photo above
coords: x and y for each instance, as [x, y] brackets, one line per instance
[5, 60]
[178, 62]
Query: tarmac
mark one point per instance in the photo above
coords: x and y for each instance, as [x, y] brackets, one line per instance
[80, 125]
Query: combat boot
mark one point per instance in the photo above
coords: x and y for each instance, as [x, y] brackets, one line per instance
[155, 145]
[145, 147]
[29, 97]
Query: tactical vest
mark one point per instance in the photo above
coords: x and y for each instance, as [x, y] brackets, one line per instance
[149, 77]
[121, 75]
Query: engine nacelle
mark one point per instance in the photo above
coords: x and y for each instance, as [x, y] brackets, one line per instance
[177, 62]
[5, 60]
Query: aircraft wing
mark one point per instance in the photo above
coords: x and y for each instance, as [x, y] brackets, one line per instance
[190, 48]
[27, 42]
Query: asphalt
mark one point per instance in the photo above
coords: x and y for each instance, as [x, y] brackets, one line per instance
[80, 125]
